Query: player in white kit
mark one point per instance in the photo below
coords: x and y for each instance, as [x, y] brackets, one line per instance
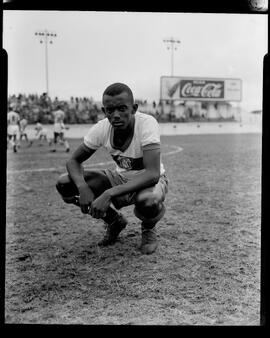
[41, 134]
[59, 129]
[13, 131]
[23, 134]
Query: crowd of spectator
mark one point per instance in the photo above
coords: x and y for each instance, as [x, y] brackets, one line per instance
[40, 107]
[85, 110]
[175, 111]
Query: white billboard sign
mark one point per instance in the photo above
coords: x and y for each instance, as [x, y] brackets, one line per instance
[200, 89]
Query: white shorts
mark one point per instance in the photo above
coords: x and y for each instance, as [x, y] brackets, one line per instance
[43, 132]
[116, 178]
[13, 130]
[57, 128]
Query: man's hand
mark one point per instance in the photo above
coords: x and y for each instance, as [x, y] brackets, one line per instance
[100, 205]
[86, 198]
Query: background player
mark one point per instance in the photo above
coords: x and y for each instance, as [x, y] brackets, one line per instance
[13, 131]
[59, 128]
[41, 134]
[23, 124]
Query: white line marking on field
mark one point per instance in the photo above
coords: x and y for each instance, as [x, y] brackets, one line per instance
[175, 151]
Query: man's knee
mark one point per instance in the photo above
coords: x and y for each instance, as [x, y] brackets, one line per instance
[97, 180]
[65, 186]
[147, 204]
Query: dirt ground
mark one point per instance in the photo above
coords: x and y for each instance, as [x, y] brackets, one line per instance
[206, 270]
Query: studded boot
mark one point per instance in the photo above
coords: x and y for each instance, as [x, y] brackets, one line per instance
[149, 241]
[113, 230]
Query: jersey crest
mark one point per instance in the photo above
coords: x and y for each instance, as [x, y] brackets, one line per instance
[128, 163]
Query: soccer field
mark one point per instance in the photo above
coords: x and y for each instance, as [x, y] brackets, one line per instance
[206, 270]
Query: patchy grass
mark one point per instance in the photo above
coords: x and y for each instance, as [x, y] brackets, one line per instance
[206, 270]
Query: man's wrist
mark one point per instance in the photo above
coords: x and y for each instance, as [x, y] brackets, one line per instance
[112, 192]
[82, 185]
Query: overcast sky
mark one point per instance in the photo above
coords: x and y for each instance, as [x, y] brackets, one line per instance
[95, 49]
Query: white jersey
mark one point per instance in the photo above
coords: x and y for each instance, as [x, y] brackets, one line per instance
[23, 125]
[13, 119]
[59, 117]
[40, 130]
[146, 131]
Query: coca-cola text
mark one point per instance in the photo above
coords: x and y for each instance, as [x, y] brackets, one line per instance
[204, 90]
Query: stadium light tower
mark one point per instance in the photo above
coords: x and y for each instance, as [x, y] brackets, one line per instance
[172, 45]
[45, 37]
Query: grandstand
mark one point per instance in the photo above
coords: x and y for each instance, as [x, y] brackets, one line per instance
[83, 110]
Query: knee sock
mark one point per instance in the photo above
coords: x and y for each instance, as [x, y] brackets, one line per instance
[111, 215]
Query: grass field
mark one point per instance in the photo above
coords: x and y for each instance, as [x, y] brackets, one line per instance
[206, 270]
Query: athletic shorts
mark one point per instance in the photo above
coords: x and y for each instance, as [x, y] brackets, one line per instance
[160, 189]
[43, 132]
[13, 130]
[57, 128]
[60, 135]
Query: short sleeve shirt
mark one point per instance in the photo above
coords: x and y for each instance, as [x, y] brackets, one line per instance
[39, 127]
[23, 124]
[13, 118]
[146, 131]
[59, 116]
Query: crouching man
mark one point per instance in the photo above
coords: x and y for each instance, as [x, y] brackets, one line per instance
[133, 140]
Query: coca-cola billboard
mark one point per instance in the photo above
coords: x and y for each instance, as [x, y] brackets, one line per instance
[203, 89]
[194, 89]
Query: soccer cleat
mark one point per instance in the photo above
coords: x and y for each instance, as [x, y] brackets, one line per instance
[149, 241]
[14, 149]
[72, 200]
[113, 230]
[53, 150]
[67, 150]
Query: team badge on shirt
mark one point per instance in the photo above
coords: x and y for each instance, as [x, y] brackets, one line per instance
[128, 163]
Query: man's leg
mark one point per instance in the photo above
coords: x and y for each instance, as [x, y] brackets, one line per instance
[98, 183]
[149, 208]
[40, 139]
[8, 140]
[55, 139]
[14, 143]
[66, 144]
[30, 142]
[46, 139]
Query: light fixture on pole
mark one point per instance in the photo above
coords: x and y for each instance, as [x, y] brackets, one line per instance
[45, 37]
[172, 45]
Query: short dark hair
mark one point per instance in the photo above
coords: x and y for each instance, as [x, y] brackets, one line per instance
[118, 88]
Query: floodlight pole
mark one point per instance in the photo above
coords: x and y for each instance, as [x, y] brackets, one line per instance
[44, 36]
[172, 44]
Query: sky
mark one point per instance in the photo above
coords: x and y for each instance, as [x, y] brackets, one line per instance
[94, 49]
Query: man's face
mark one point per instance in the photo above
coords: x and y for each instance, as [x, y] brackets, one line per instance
[119, 109]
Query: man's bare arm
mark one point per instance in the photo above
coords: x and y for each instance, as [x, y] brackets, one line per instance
[74, 164]
[75, 171]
